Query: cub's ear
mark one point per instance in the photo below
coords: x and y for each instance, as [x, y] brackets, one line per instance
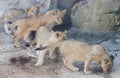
[63, 12]
[106, 60]
[53, 13]
[27, 10]
[113, 56]
[38, 6]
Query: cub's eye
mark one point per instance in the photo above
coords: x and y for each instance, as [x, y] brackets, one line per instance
[54, 14]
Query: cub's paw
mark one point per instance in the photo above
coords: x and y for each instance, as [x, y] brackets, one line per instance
[53, 56]
[17, 44]
[75, 69]
[38, 64]
[88, 72]
[8, 32]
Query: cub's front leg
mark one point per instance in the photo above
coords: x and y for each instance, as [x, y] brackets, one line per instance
[52, 54]
[15, 41]
[87, 66]
[41, 55]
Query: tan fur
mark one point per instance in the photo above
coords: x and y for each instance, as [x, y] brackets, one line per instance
[45, 38]
[80, 51]
[12, 14]
[33, 23]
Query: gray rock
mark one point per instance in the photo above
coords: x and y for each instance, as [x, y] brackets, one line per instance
[98, 16]
[21, 4]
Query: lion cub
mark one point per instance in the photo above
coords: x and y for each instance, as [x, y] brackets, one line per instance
[44, 37]
[12, 14]
[23, 26]
[79, 51]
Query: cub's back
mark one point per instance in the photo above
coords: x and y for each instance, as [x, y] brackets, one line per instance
[14, 13]
[75, 47]
[26, 22]
[98, 50]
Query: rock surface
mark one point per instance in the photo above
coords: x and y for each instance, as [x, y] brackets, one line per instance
[21, 4]
[95, 15]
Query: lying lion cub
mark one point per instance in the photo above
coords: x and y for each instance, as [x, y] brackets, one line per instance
[13, 14]
[22, 27]
[79, 51]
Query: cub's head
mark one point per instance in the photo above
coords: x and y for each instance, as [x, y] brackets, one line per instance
[56, 16]
[33, 10]
[107, 63]
[57, 36]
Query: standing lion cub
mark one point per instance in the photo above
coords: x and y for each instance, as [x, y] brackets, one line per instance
[22, 27]
[73, 51]
[12, 14]
[45, 37]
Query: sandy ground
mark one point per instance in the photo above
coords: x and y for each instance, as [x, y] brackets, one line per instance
[51, 69]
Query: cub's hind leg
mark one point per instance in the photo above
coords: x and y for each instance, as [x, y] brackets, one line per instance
[16, 41]
[69, 64]
[18, 35]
